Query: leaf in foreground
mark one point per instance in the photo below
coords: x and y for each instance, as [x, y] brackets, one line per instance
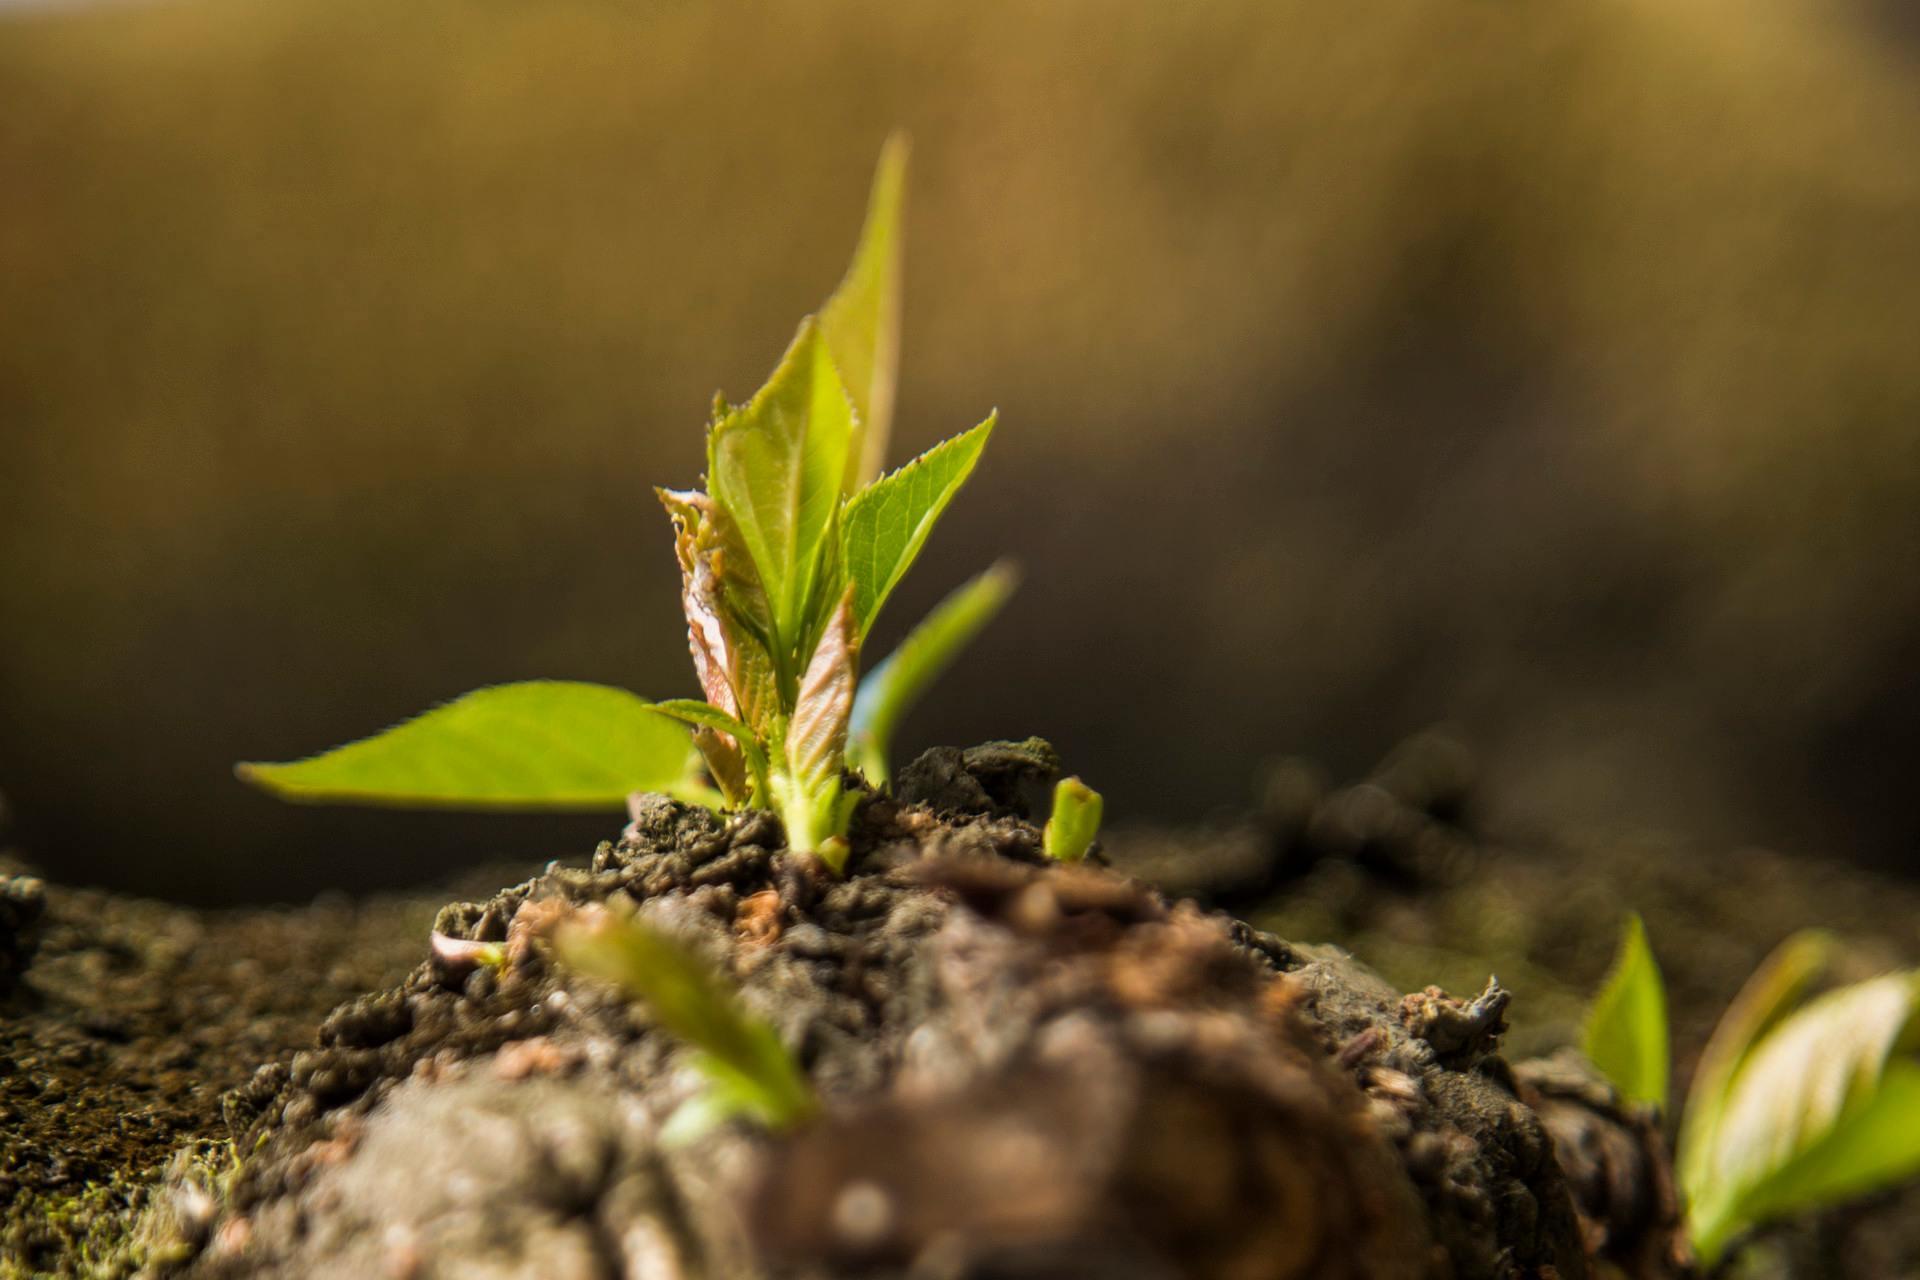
[541, 744]
[1626, 1031]
[890, 690]
[1773, 992]
[1821, 1110]
[748, 1069]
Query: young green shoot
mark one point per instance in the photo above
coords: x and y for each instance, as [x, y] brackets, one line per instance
[1822, 1106]
[748, 1072]
[1795, 1106]
[1075, 821]
[1775, 989]
[787, 555]
[1626, 1031]
[462, 955]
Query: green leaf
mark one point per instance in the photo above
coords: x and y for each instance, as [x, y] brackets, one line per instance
[775, 466]
[887, 523]
[862, 318]
[1873, 1146]
[891, 689]
[1819, 1110]
[1776, 987]
[543, 744]
[748, 1068]
[721, 739]
[693, 711]
[1626, 1032]
[1075, 821]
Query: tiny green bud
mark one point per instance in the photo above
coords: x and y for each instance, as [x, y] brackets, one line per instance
[1075, 821]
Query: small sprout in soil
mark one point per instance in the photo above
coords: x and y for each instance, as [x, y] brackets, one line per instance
[786, 557]
[748, 1071]
[1795, 1106]
[1075, 820]
[461, 956]
[1626, 1031]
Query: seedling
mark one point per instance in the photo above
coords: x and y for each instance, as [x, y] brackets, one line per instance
[786, 557]
[1075, 821]
[462, 955]
[1795, 1106]
[1626, 1031]
[748, 1071]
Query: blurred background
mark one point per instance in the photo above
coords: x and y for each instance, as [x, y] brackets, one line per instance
[1548, 370]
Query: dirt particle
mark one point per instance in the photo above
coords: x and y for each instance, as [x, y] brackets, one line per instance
[862, 1215]
[368, 1022]
[1361, 1047]
[1461, 1032]
[233, 1237]
[756, 921]
[535, 1056]
[993, 779]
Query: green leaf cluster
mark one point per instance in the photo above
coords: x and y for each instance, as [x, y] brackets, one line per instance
[787, 556]
[1796, 1104]
[790, 553]
[749, 1072]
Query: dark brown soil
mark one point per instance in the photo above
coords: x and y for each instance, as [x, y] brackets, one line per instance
[128, 1023]
[1407, 869]
[1028, 1071]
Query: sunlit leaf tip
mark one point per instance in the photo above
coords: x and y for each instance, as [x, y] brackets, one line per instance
[862, 318]
[1626, 1030]
[887, 524]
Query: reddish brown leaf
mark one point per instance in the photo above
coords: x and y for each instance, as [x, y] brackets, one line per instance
[817, 738]
[722, 601]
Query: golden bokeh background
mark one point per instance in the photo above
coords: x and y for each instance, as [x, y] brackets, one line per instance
[1553, 370]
